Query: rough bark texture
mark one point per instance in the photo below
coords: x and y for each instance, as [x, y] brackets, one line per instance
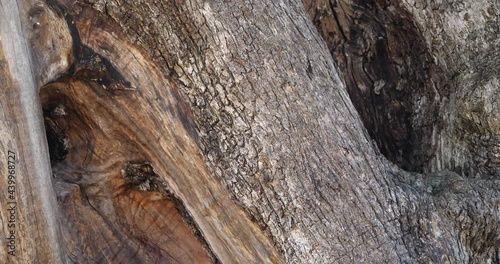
[423, 77]
[249, 132]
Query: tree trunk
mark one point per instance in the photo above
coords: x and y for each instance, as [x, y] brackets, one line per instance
[250, 132]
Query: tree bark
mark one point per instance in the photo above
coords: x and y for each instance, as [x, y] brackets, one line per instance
[251, 132]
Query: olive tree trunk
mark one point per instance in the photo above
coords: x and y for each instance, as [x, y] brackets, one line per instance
[194, 131]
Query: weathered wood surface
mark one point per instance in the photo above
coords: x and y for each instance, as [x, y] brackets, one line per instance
[29, 211]
[204, 131]
[107, 109]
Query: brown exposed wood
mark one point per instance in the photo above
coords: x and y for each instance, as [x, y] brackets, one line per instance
[101, 119]
[108, 215]
[113, 122]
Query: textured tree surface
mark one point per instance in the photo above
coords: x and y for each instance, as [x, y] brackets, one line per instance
[250, 131]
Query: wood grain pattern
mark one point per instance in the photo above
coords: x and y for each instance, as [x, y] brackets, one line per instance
[114, 120]
[130, 223]
[128, 179]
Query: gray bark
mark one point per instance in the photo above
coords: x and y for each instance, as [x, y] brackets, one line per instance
[286, 112]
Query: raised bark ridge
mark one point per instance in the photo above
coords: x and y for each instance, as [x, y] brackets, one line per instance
[280, 137]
